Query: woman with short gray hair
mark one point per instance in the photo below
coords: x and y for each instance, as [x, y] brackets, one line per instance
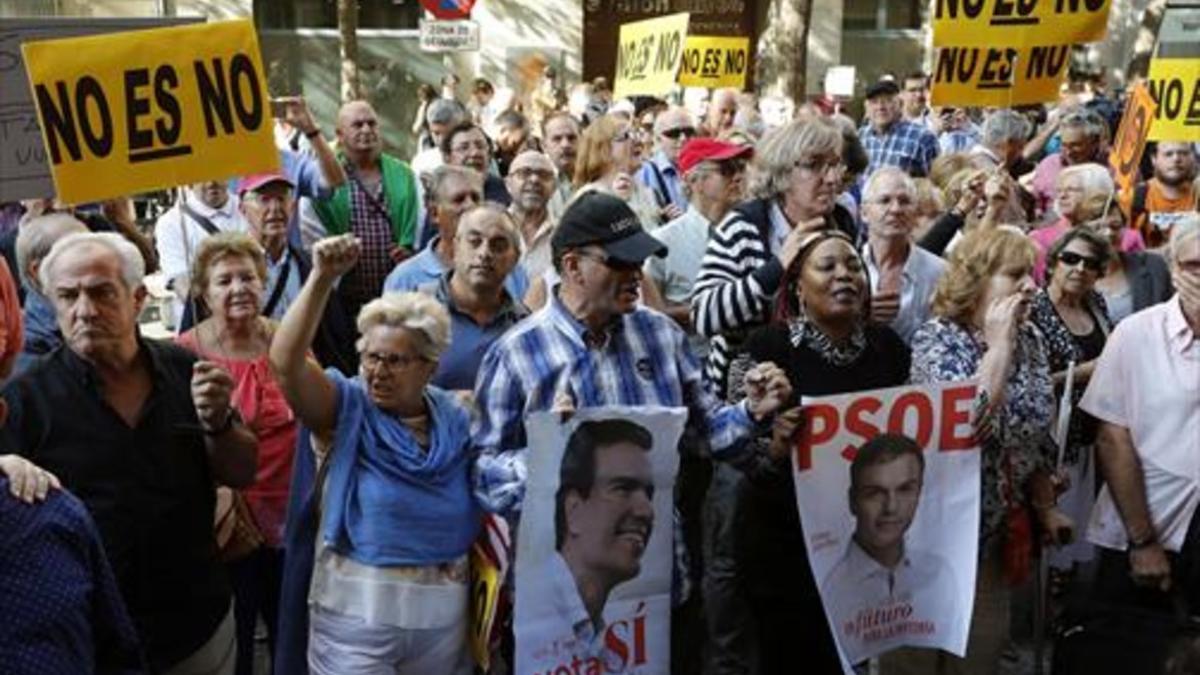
[395, 516]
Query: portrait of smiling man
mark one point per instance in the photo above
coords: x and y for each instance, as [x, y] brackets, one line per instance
[603, 518]
[881, 593]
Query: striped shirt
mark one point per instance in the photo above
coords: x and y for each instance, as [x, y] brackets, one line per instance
[643, 361]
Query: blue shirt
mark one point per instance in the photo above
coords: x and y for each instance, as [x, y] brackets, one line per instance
[661, 175]
[912, 147]
[469, 341]
[426, 267]
[62, 611]
[644, 360]
[305, 174]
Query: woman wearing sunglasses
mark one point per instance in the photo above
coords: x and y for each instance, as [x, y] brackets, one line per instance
[609, 155]
[1074, 323]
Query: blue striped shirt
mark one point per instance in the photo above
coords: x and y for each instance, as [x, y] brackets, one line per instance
[645, 361]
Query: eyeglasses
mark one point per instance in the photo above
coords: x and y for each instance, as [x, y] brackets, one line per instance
[390, 362]
[817, 168]
[728, 168]
[526, 174]
[1071, 259]
[610, 262]
[675, 133]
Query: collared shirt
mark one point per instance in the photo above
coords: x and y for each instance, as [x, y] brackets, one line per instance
[780, 228]
[469, 341]
[919, 279]
[62, 610]
[643, 361]
[557, 599]
[860, 592]
[148, 487]
[292, 284]
[686, 239]
[662, 177]
[560, 198]
[427, 267]
[912, 147]
[538, 256]
[365, 282]
[177, 236]
[1147, 380]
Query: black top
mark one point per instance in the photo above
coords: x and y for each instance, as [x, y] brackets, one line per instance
[149, 488]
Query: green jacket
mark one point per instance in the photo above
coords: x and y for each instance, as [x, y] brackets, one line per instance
[400, 196]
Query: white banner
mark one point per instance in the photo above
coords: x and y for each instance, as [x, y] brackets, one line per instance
[594, 545]
[887, 484]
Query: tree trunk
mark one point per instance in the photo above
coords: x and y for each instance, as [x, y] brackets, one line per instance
[783, 49]
[348, 31]
[1143, 46]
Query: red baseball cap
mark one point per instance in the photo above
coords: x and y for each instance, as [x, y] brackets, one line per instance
[255, 181]
[697, 150]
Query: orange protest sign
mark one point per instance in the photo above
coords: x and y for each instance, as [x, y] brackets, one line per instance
[1126, 155]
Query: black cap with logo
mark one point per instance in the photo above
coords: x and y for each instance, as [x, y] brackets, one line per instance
[607, 221]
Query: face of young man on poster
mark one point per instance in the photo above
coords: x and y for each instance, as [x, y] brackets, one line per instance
[609, 529]
[884, 499]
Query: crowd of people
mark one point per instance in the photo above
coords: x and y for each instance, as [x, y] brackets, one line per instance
[360, 337]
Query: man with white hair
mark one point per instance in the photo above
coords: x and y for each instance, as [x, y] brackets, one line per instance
[141, 431]
[661, 172]
[722, 110]
[902, 276]
[1145, 391]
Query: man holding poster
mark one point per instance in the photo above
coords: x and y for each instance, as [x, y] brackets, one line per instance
[879, 578]
[596, 596]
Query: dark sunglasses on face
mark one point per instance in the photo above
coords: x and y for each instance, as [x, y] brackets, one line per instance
[1071, 259]
[610, 262]
[675, 133]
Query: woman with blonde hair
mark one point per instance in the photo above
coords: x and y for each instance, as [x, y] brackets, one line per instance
[608, 157]
[981, 331]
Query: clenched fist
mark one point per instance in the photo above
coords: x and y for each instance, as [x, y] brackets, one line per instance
[334, 256]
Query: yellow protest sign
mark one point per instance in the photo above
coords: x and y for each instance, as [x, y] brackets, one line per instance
[1018, 23]
[485, 596]
[716, 62]
[141, 110]
[1175, 86]
[999, 76]
[1126, 156]
[648, 55]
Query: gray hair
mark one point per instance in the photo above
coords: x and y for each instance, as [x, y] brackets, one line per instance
[425, 319]
[438, 178]
[1096, 179]
[37, 235]
[1005, 125]
[133, 268]
[508, 225]
[445, 111]
[781, 148]
[1184, 230]
[876, 179]
[1089, 121]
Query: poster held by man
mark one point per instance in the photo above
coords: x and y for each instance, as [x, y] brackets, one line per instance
[887, 484]
[594, 544]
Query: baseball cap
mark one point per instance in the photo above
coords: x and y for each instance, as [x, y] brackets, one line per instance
[255, 181]
[882, 87]
[607, 221]
[697, 150]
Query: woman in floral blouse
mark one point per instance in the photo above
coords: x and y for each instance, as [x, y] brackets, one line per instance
[1074, 323]
[981, 332]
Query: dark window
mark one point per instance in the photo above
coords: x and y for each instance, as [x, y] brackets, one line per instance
[868, 15]
[323, 14]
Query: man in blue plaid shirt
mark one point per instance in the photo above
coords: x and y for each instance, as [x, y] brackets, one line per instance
[593, 345]
[892, 141]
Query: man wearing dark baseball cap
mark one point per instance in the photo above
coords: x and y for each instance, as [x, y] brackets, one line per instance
[889, 139]
[598, 220]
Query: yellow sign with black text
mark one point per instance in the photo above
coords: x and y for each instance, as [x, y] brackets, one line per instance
[141, 110]
[648, 55]
[1175, 86]
[716, 62]
[1018, 23]
[999, 76]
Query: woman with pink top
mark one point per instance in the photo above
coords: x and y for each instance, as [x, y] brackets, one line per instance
[228, 278]
[1082, 193]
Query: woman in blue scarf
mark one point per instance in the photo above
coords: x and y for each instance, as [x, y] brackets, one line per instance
[394, 512]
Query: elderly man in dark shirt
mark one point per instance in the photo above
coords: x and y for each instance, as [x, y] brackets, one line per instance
[141, 432]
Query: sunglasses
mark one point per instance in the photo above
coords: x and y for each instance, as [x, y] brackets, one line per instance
[610, 262]
[728, 168]
[677, 132]
[1071, 259]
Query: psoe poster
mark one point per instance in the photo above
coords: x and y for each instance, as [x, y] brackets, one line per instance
[887, 484]
[594, 543]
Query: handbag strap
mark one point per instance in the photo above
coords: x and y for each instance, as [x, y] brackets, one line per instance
[202, 221]
[371, 198]
[280, 283]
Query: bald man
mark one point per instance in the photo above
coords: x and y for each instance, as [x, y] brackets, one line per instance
[531, 181]
[722, 109]
[379, 204]
[672, 128]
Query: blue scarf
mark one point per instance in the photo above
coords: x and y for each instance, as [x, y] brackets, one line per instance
[389, 501]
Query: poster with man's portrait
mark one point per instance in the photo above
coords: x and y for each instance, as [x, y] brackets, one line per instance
[594, 543]
[887, 484]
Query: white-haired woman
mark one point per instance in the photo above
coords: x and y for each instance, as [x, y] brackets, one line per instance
[389, 575]
[1082, 193]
